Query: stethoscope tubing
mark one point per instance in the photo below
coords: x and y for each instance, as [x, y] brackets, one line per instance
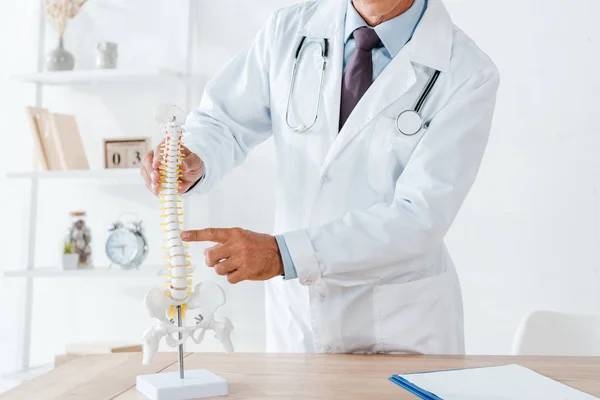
[426, 92]
[325, 54]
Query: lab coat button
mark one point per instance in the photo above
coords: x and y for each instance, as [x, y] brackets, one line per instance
[327, 349]
[321, 296]
[307, 281]
[325, 179]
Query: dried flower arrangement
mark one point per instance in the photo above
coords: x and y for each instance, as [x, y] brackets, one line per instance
[59, 12]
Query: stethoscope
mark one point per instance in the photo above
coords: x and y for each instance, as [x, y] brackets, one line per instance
[324, 55]
[408, 123]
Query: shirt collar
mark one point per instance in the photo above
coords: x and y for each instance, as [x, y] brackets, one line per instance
[394, 33]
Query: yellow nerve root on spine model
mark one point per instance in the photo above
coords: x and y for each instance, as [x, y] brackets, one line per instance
[170, 304]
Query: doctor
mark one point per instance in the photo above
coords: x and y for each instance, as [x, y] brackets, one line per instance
[372, 169]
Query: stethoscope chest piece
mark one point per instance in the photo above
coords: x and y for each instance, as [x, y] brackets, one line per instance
[409, 122]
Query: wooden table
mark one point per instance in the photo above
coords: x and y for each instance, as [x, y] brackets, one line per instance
[284, 376]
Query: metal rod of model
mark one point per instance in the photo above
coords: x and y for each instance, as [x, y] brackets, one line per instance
[170, 304]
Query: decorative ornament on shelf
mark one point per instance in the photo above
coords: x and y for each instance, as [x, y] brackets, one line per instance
[80, 238]
[125, 152]
[106, 55]
[58, 14]
[70, 259]
[170, 303]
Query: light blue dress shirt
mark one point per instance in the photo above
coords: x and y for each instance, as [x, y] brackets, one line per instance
[394, 34]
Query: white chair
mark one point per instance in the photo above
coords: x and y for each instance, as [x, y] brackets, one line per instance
[548, 333]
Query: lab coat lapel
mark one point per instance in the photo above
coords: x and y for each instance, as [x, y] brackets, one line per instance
[395, 80]
[328, 22]
[430, 46]
[332, 90]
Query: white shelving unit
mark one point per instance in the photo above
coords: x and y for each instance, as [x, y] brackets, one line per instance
[118, 176]
[100, 76]
[104, 272]
[117, 173]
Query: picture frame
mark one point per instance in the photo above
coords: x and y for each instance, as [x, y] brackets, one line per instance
[125, 152]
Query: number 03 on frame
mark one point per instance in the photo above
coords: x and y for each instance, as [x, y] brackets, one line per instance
[125, 152]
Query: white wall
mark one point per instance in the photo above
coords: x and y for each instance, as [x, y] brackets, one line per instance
[527, 237]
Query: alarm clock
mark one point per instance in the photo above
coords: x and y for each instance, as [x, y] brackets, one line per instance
[126, 245]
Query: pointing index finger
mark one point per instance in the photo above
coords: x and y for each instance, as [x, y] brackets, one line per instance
[218, 235]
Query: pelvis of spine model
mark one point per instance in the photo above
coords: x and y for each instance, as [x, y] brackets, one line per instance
[206, 298]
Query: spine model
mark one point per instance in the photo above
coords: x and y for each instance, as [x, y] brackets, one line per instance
[169, 304]
[178, 270]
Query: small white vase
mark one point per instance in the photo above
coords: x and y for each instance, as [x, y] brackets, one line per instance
[70, 261]
[59, 59]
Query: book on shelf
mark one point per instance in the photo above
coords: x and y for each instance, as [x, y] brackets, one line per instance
[67, 140]
[36, 116]
[57, 141]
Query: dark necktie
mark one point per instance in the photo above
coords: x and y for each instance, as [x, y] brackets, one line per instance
[359, 71]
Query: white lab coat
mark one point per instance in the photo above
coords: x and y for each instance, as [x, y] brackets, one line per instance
[363, 211]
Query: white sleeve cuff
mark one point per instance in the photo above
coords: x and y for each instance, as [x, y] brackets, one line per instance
[303, 254]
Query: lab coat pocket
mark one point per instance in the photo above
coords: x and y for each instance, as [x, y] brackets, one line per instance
[410, 317]
[389, 152]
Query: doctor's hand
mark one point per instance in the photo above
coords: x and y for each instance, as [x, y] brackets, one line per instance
[240, 254]
[192, 169]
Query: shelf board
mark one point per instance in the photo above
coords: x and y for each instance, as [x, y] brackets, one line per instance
[98, 272]
[29, 373]
[83, 77]
[113, 173]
